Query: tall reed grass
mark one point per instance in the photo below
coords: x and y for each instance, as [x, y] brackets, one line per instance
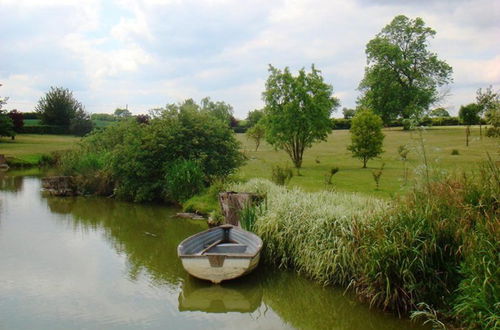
[436, 246]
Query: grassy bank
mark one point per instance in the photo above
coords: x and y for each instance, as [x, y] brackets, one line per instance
[439, 141]
[29, 148]
[434, 251]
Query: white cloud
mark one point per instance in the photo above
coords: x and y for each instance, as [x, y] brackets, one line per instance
[145, 53]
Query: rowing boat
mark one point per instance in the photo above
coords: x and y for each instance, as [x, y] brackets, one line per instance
[221, 253]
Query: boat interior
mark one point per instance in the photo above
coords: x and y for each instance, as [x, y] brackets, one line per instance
[226, 240]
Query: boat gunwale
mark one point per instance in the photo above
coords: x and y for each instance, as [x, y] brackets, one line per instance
[228, 255]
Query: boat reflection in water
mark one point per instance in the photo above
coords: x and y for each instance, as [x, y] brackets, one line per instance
[197, 295]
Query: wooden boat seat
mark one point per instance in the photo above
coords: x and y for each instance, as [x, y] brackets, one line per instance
[227, 248]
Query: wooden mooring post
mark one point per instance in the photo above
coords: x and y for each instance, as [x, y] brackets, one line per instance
[231, 204]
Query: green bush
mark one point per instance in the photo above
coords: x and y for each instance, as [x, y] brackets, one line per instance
[137, 156]
[281, 175]
[455, 152]
[493, 132]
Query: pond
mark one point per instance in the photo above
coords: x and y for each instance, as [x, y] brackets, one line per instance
[97, 263]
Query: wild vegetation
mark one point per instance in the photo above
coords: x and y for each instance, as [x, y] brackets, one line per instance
[436, 245]
[169, 158]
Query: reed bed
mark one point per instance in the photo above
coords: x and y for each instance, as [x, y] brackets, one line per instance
[436, 247]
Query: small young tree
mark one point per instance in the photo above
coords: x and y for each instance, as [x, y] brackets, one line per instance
[256, 133]
[297, 111]
[489, 103]
[469, 115]
[366, 136]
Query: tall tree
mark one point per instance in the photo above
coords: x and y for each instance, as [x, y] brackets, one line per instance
[348, 113]
[402, 76]
[254, 117]
[220, 110]
[122, 113]
[469, 115]
[439, 112]
[58, 107]
[366, 135]
[297, 111]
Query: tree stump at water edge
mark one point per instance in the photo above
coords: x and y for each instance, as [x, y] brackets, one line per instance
[231, 204]
[60, 185]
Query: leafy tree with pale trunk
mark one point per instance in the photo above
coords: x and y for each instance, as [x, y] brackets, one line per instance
[402, 76]
[489, 103]
[366, 136]
[297, 110]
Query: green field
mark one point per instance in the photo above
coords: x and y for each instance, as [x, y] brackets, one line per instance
[32, 122]
[30, 147]
[438, 141]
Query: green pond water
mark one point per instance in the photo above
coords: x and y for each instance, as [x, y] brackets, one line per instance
[96, 263]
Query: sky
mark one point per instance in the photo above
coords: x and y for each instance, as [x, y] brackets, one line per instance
[146, 54]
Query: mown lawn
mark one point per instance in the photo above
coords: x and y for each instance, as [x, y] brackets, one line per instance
[438, 141]
[30, 147]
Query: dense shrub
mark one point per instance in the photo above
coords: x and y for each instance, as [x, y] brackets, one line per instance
[493, 132]
[184, 179]
[140, 158]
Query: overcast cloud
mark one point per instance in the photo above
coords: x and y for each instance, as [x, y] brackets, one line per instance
[146, 54]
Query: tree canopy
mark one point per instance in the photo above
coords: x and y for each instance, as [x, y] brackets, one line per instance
[59, 107]
[402, 76]
[297, 110]
[254, 116]
[439, 112]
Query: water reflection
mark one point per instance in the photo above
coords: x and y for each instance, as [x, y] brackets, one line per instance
[84, 262]
[243, 296]
[10, 183]
[147, 235]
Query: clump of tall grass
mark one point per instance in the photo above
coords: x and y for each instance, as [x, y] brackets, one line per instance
[281, 175]
[314, 233]
[437, 245]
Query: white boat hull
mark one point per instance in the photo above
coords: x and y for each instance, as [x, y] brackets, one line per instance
[232, 267]
[220, 253]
